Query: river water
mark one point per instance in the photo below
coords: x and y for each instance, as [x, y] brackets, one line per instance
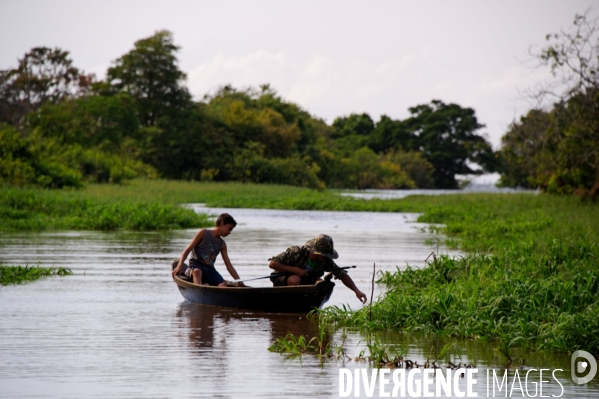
[118, 327]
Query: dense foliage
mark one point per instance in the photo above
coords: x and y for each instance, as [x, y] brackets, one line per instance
[60, 127]
[529, 279]
[557, 148]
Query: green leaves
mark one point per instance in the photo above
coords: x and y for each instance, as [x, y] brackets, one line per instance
[446, 136]
[141, 121]
[150, 74]
[535, 285]
[558, 150]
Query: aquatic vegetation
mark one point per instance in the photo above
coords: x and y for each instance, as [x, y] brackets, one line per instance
[378, 351]
[321, 345]
[381, 354]
[518, 296]
[21, 274]
[294, 346]
[35, 209]
[530, 277]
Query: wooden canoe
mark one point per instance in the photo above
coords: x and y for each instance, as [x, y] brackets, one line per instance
[294, 299]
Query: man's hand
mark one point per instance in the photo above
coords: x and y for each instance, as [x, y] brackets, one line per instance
[361, 296]
[300, 272]
[176, 271]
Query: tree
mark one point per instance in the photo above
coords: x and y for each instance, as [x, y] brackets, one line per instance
[262, 116]
[197, 147]
[520, 148]
[354, 124]
[390, 134]
[89, 121]
[353, 132]
[43, 75]
[35, 160]
[573, 57]
[566, 141]
[446, 136]
[574, 60]
[418, 169]
[150, 74]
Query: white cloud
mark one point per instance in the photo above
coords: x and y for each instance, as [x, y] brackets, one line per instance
[250, 69]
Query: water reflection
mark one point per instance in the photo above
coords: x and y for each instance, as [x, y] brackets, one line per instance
[223, 336]
[203, 322]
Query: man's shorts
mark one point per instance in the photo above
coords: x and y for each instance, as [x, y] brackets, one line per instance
[282, 280]
[209, 274]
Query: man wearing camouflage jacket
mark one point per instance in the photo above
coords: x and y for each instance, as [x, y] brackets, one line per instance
[305, 265]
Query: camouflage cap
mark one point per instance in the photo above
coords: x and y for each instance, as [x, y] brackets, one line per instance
[322, 245]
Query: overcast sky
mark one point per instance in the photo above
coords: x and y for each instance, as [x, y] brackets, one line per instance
[332, 58]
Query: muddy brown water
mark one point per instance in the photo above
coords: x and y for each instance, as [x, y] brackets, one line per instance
[118, 327]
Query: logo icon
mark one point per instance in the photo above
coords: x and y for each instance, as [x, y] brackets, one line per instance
[579, 367]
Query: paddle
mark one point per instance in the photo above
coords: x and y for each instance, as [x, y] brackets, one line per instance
[285, 274]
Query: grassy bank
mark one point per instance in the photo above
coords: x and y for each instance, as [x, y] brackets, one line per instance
[247, 195]
[36, 209]
[530, 278]
[21, 274]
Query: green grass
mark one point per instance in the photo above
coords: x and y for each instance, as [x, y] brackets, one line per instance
[36, 209]
[245, 195]
[530, 277]
[21, 274]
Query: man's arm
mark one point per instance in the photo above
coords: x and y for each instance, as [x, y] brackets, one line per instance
[280, 267]
[349, 283]
[283, 261]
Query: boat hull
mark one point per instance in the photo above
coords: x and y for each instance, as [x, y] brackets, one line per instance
[290, 299]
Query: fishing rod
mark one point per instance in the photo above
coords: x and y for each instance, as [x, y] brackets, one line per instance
[287, 274]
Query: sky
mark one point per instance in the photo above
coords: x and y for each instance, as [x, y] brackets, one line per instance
[332, 58]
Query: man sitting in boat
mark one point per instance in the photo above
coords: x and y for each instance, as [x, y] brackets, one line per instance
[306, 264]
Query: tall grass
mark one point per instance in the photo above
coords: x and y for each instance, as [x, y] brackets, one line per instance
[36, 209]
[530, 277]
[20, 274]
[321, 345]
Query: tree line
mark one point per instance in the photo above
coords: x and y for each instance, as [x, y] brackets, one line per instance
[556, 147]
[62, 127]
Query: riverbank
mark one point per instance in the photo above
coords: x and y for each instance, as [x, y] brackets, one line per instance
[38, 209]
[530, 277]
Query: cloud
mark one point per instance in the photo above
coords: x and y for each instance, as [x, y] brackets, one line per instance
[245, 70]
[316, 82]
